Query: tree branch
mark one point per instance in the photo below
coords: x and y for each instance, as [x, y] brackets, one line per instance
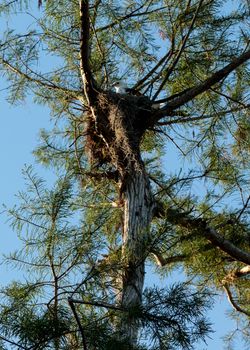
[183, 45]
[139, 84]
[246, 205]
[98, 304]
[233, 302]
[130, 15]
[204, 86]
[86, 74]
[182, 219]
[161, 261]
[13, 343]
[184, 118]
[48, 85]
[244, 271]
[72, 306]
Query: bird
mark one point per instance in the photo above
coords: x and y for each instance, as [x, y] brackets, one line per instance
[121, 88]
[158, 105]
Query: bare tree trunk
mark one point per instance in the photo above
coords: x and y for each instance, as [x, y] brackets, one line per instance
[138, 212]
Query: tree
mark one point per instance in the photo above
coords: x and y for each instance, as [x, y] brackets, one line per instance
[114, 207]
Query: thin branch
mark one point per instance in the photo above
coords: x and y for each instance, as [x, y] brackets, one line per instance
[13, 343]
[183, 45]
[139, 85]
[96, 303]
[175, 143]
[95, 10]
[178, 94]
[244, 208]
[51, 86]
[72, 306]
[233, 302]
[101, 52]
[229, 98]
[186, 119]
[161, 261]
[130, 15]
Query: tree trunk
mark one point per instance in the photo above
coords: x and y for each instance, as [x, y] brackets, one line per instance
[138, 213]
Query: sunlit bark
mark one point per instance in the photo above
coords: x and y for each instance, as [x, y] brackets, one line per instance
[138, 213]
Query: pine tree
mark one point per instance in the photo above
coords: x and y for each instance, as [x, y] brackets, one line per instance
[119, 203]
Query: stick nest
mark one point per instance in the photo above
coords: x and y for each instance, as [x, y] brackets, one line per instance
[114, 130]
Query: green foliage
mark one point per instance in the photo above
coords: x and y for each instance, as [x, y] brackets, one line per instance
[32, 324]
[197, 160]
[175, 317]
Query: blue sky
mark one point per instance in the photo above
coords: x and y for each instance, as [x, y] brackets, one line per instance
[18, 137]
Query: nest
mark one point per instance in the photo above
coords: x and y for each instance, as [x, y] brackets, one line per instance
[114, 131]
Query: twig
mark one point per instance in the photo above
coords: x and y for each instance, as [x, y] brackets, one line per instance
[13, 343]
[244, 208]
[96, 303]
[130, 15]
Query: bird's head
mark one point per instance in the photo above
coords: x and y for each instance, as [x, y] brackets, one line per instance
[118, 83]
[119, 86]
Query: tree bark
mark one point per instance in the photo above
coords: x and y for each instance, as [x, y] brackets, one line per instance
[138, 213]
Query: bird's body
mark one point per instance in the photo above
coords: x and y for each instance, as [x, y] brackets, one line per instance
[158, 105]
[120, 87]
